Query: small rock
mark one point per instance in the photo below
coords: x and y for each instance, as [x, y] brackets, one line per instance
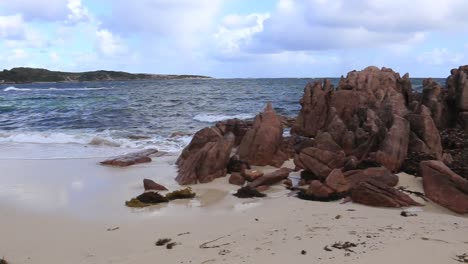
[236, 179]
[151, 185]
[162, 241]
[303, 252]
[251, 175]
[262, 188]
[406, 214]
[171, 245]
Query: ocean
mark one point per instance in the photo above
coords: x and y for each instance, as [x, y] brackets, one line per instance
[101, 119]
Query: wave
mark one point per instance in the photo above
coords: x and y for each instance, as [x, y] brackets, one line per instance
[211, 118]
[12, 88]
[99, 139]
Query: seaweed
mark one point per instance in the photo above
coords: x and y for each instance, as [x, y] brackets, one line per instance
[302, 194]
[146, 199]
[248, 192]
[162, 241]
[186, 193]
[171, 245]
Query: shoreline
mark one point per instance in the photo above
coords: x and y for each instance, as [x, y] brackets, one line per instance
[86, 199]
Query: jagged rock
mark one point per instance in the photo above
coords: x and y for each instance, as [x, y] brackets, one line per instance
[393, 149]
[457, 99]
[237, 179]
[319, 190]
[434, 98]
[319, 162]
[261, 144]
[271, 178]
[425, 136]
[379, 174]
[236, 126]
[131, 158]
[445, 187]
[251, 175]
[374, 193]
[337, 181]
[351, 163]
[206, 157]
[151, 185]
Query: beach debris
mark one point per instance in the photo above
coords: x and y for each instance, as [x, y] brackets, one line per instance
[288, 183]
[146, 199]
[338, 217]
[186, 193]
[326, 248]
[248, 192]
[151, 185]
[171, 245]
[113, 228]
[224, 252]
[344, 245]
[460, 258]
[181, 234]
[303, 252]
[236, 179]
[206, 244]
[407, 214]
[162, 241]
[131, 158]
[418, 194]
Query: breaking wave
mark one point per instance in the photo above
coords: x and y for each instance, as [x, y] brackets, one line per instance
[211, 118]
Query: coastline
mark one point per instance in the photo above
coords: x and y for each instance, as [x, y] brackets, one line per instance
[77, 201]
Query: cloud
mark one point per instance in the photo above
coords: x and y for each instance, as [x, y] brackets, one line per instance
[12, 27]
[78, 12]
[441, 56]
[107, 44]
[49, 10]
[336, 24]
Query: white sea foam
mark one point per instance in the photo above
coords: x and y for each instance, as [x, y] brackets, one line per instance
[211, 118]
[12, 88]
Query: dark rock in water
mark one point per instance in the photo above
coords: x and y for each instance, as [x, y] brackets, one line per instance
[248, 192]
[147, 199]
[261, 144]
[237, 179]
[271, 178]
[444, 186]
[412, 161]
[131, 159]
[206, 157]
[237, 165]
[380, 174]
[151, 185]
[374, 193]
[186, 193]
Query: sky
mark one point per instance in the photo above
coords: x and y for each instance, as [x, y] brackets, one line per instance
[236, 38]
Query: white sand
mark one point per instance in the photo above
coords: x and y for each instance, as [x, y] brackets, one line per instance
[58, 211]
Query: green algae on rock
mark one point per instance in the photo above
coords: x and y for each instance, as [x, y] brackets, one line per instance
[186, 193]
[146, 199]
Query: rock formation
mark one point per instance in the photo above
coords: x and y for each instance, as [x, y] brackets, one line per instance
[131, 158]
[457, 85]
[375, 193]
[261, 144]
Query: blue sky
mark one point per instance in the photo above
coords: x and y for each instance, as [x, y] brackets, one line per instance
[236, 38]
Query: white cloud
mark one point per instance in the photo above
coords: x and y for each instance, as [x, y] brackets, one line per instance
[12, 27]
[78, 12]
[49, 10]
[441, 56]
[107, 44]
[54, 57]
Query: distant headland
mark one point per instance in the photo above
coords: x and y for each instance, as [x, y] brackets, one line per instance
[31, 75]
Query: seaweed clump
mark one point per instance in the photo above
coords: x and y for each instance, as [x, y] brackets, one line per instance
[248, 192]
[162, 241]
[186, 193]
[146, 199]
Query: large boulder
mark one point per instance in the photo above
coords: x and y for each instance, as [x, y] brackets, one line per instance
[457, 101]
[319, 162]
[142, 156]
[425, 136]
[337, 181]
[445, 187]
[206, 157]
[261, 144]
[394, 148]
[375, 193]
[270, 178]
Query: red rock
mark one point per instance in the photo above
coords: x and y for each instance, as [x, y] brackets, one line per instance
[337, 181]
[271, 178]
[319, 190]
[374, 193]
[151, 185]
[236, 179]
[457, 99]
[445, 187]
[379, 174]
[319, 162]
[393, 150]
[131, 158]
[206, 157]
[261, 144]
[236, 126]
[425, 137]
[251, 175]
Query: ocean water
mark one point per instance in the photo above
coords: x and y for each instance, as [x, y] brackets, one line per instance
[99, 119]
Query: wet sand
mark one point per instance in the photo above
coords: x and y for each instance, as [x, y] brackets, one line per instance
[59, 211]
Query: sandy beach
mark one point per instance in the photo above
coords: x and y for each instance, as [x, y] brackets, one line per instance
[73, 211]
